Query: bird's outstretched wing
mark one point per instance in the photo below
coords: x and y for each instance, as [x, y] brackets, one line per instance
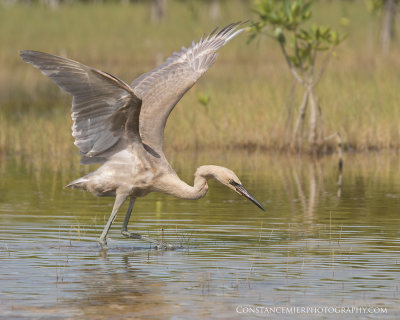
[104, 108]
[162, 88]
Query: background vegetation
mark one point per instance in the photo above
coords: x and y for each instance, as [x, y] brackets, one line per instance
[242, 102]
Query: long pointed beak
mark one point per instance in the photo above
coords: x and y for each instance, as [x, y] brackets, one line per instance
[242, 190]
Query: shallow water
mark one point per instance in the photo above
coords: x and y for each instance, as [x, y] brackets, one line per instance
[318, 244]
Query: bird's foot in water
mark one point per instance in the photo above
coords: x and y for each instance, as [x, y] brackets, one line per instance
[165, 246]
[103, 243]
[159, 245]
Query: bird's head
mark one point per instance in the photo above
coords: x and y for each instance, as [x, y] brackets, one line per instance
[228, 178]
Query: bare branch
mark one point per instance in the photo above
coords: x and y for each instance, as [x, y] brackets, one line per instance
[290, 108]
[339, 148]
[323, 67]
[291, 67]
[313, 136]
[300, 118]
[296, 52]
[314, 60]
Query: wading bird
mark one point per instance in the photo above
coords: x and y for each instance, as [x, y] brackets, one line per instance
[122, 126]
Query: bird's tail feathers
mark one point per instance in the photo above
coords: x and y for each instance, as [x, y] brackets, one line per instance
[78, 183]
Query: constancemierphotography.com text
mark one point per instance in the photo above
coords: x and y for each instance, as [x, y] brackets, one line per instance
[294, 310]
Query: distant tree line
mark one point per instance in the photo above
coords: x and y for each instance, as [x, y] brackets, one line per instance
[158, 7]
[387, 10]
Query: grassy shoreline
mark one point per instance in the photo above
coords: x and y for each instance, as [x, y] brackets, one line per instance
[248, 85]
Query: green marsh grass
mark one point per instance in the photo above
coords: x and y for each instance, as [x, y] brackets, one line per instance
[248, 86]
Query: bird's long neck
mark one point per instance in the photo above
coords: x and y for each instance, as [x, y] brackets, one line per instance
[181, 189]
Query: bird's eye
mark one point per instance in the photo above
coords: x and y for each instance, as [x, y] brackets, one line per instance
[233, 183]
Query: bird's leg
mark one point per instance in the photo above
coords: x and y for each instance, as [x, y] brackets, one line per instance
[131, 235]
[128, 216]
[119, 200]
